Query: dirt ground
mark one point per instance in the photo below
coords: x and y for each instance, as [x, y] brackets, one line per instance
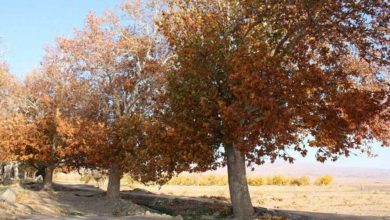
[369, 200]
[346, 197]
[76, 202]
[80, 201]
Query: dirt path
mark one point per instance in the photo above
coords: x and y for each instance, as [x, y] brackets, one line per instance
[69, 202]
[342, 199]
[199, 207]
[43, 217]
[87, 202]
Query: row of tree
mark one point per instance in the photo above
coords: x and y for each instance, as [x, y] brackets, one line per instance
[195, 85]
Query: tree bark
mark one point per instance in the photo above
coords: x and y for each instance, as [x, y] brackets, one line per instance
[16, 170]
[41, 170]
[7, 174]
[114, 180]
[48, 180]
[238, 185]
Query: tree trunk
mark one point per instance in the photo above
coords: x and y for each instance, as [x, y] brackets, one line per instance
[48, 180]
[7, 174]
[16, 171]
[238, 186]
[41, 171]
[114, 180]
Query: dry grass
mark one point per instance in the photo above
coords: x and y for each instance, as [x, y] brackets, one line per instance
[30, 202]
[203, 180]
[358, 198]
[341, 199]
[324, 180]
[221, 180]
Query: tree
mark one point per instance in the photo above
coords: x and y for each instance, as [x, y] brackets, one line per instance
[118, 65]
[9, 89]
[9, 93]
[261, 78]
[43, 130]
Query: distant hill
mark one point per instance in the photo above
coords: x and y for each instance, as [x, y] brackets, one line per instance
[313, 170]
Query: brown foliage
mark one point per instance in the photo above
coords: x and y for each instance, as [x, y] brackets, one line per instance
[269, 76]
[118, 68]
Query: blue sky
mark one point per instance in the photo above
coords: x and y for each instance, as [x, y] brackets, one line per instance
[381, 161]
[26, 27]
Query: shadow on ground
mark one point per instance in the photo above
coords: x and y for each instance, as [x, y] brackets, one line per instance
[87, 202]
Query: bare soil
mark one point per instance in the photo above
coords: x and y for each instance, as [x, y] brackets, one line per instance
[74, 200]
[346, 199]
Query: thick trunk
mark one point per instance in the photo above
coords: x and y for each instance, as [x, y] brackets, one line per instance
[238, 186]
[114, 179]
[7, 174]
[41, 171]
[16, 171]
[48, 180]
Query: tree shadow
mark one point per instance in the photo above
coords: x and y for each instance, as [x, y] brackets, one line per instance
[83, 200]
[220, 207]
[327, 216]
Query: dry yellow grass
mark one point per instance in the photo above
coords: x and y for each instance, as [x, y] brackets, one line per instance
[341, 199]
[370, 199]
[30, 202]
[324, 180]
[221, 180]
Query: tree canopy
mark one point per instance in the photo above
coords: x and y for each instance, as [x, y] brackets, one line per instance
[194, 85]
[268, 77]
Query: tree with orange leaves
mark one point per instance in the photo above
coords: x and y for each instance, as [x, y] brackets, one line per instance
[261, 78]
[9, 91]
[118, 65]
[44, 128]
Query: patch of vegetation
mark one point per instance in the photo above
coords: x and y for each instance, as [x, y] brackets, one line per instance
[221, 180]
[183, 180]
[257, 181]
[199, 180]
[86, 178]
[279, 180]
[324, 180]
[129, 181]
[301, 181]
[213, 180]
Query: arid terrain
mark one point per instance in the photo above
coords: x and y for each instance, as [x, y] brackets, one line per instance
[348, 197]
[195, 109]
[372, 200]
[349, 194]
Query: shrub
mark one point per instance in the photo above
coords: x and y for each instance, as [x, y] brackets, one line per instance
[301, 181]
[221, 180]
[95, 176]
[279, 180]
[129, 181]
[212, 180]
[182, 180]
[324, 180]
[256, 181]
[86, 178]
[200, 180]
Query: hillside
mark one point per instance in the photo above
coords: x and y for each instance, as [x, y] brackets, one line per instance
[313, 170]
